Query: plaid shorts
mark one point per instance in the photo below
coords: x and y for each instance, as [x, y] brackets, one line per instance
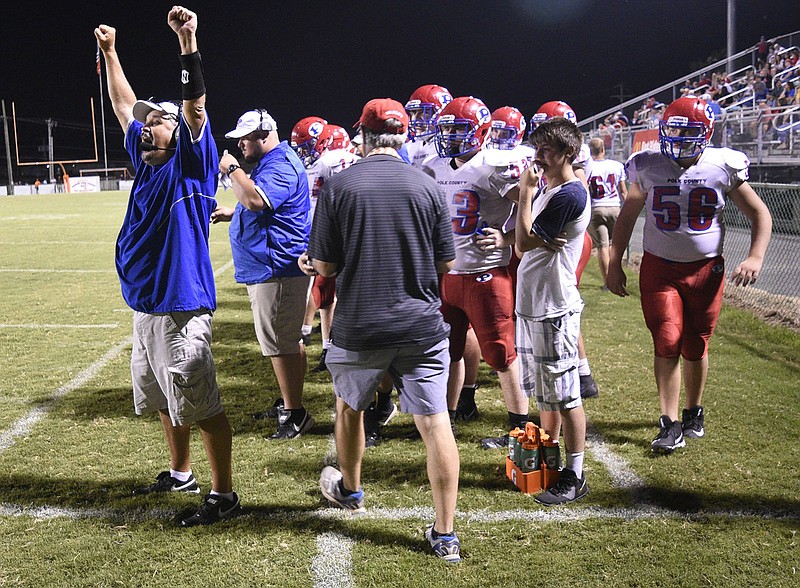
[548, 354]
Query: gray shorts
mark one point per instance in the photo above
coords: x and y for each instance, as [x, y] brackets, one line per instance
[172, 367]
[601, 225]
[419, 373]
[279, 306]
[548, 360]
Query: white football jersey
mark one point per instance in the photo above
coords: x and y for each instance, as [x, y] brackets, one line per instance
[327, 164]
[419, 150]
[603, 178]
[475, 193]
[684, 207]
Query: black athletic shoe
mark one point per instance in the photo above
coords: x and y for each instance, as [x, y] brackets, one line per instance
[321, 366]
[466, 409]
[588, 387]
[692, 424]
[494, 442]
[306, 339]
[288, 429]
[166, 483]
[270, 413]
[568, 488]
[371, 439]
[669, 438]
[213, 508]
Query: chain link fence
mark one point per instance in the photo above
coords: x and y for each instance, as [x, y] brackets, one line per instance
[776, 294]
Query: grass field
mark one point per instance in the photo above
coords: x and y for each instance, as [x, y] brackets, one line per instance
[724, 511]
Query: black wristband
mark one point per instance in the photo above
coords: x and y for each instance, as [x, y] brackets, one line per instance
[192, 83]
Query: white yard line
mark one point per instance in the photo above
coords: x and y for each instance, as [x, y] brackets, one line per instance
[55, 326]
[332, 566]
[25, 424]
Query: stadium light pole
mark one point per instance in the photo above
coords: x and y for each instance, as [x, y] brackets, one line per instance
[731, 32]
[8, 151]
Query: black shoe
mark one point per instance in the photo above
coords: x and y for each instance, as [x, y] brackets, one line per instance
[213, 508]
[321, 366]
[588, 387]
[568, 488]
[494, 442]
[166, 483]
[692, 424]
[288, 429]
[466, 411]
[371, 439]
[306, 339]
[669, 438]
[270, 413]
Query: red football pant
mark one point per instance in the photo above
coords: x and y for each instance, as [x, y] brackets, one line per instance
[681, 304]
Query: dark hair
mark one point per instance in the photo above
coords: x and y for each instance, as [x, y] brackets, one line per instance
[560, 133]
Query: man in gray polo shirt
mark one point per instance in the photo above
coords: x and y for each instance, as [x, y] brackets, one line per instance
[383, 226]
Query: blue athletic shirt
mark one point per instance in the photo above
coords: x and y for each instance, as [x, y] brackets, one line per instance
[267, 243]
[162, 253]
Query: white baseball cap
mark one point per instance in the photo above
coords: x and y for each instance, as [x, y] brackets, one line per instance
[252, 120]
[144, 107]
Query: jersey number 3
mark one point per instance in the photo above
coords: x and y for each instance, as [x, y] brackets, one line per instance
[468, 205]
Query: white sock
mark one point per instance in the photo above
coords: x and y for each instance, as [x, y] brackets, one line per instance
[305, 330]
[575, 463]
[225, 495]
[180, 476]
[326, 344]
[583, 367]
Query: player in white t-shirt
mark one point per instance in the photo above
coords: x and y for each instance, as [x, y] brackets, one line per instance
[607, 189]
[478, 290]
[684, 189]
[424, 105]
[550, 225]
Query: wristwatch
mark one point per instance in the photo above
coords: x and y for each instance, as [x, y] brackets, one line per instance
[232, 168]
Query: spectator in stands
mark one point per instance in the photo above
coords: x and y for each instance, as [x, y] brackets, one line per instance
[762, 51]
[788, 93]
[759, 89]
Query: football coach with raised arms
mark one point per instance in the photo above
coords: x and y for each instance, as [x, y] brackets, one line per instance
[164, 268]
[383, 226]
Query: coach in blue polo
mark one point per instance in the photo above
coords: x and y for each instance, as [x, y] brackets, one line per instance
[269, 231]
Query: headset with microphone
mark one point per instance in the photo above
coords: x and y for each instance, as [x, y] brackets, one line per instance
[144, 146]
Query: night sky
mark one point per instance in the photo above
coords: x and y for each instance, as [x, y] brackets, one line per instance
[299, 58]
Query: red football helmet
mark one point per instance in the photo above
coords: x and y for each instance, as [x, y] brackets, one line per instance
[304, 136]
[508, 128]
[550, 110]
[331, 137]
[425, 103]
[685, 128]
[462, 126]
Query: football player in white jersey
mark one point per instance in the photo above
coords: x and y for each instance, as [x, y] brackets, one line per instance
[478, 290]
[607, 188]
[684, 189]
[424, 105]
[330, 154]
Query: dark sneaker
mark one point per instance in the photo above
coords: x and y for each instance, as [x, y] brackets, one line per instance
[692, 424]
[306, 339]
[447, 546]
[330, 484]
[321, 366]
[270, 413]
[494, 442]
[386, 413]
[371, 439]
[166, 483]
[288, 429]
[568, 488]
[213, 508]
[669, 438]
[588, 387]
[466, 410]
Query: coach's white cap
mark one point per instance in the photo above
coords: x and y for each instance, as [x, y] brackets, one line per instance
[252, 120]
[144, 107]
